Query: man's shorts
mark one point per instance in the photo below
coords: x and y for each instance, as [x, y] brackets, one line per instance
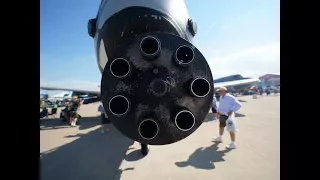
[213, 110]
[74, 114]
[222, 120]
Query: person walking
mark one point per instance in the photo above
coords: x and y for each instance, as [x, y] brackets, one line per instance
[74, 107]
[228, 105]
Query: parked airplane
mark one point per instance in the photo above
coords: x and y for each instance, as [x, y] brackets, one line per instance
[59, 97]
[236, 82]
[67, 95]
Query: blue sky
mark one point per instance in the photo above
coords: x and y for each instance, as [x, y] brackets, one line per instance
[236, 36]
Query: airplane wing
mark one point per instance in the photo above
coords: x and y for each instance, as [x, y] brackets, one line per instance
[235, 83]
[97, 89]
[92, 90]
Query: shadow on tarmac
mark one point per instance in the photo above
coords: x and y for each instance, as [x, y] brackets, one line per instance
[204, 157]
[52, 124]
[92, 156]
[134, 155]
[119, 173]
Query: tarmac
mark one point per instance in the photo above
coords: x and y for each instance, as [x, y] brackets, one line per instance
[83, 153]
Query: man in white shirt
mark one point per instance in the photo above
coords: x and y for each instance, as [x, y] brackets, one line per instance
[228, 105]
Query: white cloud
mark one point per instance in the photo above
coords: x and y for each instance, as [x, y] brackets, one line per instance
[252, 62]
[246, 43]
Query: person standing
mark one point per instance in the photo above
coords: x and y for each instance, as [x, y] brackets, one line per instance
[261, 91]
[267, 92]
[44, 112]
[55, 105]
[104, 119]
[74, 106]
[65, 113]
[228, 105]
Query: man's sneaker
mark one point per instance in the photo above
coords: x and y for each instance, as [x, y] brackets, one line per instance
[231, 146]
[217, 139]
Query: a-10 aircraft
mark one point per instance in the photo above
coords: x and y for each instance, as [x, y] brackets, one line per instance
[156, 86]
